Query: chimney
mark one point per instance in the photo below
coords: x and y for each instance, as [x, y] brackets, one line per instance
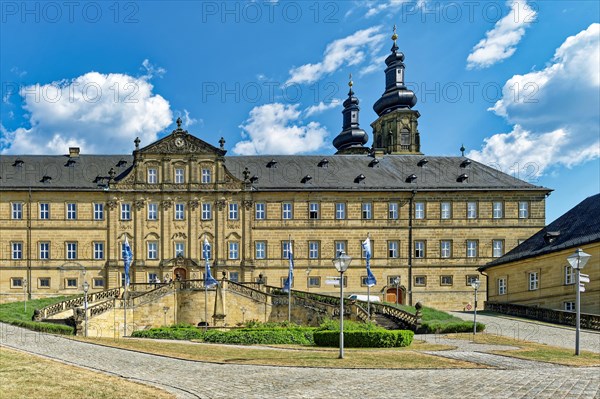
[73, 152]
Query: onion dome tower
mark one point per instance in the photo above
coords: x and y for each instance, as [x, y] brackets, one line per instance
[395, 131]
[352, 138]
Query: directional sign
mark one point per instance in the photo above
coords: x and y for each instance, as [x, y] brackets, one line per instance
[584, 278]
[332, 281]
[581, 288]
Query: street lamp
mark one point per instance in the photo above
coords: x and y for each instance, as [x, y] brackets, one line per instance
[86, 288]
[397, 283]
[475, 284]
[25, 293]
[165, 310]
[243, 309]
[341, 263]
[577, 262]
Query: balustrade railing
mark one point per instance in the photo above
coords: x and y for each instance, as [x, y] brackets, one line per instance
[68, 304]
[590, 321]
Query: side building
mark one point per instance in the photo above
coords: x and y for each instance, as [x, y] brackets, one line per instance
[432, 220]
[537, 273]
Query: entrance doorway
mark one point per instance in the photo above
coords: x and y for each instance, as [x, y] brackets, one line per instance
[390, 295]
[179, 274]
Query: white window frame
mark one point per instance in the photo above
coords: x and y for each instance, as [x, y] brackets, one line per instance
[447, 283]
[313, 282]
[419, 249]
[152, 250]
[179, 211]
[523, 209]
[471, 210]
[534, 281]
[502, 286]
[393, 249]
[419, 210]
[339, 246]
[152, 176]
[366, 211]
[206, 211]
[471, 248]
[16, 252]
[260, 249]
[260, 211]
[98, 211]
[418, 283]
[393, 211]
[152, 211]
[287, 211]
[569, 306]
[179, 249]
[446, 210]
[234, 250]
[313, 210]
[68, 284]
[497, 210]
[569, 275]
[285, 247]
[340, 210]
[17, 210]
[98, 282]
[98, 250]
[206, 176]
[445, 249]
[126, 211]
[313, 250]
[233, 213]
[179, 176]
[71, 250]
[44, 210]
[71, 211]
[497, 248]
[44, 250]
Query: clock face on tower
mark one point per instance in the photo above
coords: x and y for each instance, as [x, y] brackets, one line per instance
[179, 142]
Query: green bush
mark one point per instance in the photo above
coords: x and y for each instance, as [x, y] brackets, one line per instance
[44, 327]
[365, 339]
[14, 313]
[441, 327]
[280, 336]
[181, 333]
[349, 325]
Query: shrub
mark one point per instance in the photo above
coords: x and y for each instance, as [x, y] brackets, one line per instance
[14, 313]
[441, 327]
[44, 327]
[349, 325]
[170, 333]
[280, 336]
[365, 339]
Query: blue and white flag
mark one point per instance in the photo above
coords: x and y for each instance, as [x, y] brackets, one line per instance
[371, 281]
[209, 280]
[127, 258]
[289, 281]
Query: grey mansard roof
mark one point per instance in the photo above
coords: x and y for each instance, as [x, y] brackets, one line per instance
[276, 173]
[579, 226]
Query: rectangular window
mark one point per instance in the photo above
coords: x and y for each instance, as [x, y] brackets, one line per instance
[44, 282]
[179, 211]
[285, 278]
[125, 211]
[206, 211]
[206, 176]
[445, 280]
[286, 210]
[471, 210]
[420, 281]
[313, 210]
[569, 275]
[98, 250]
[340, 210]
[419, 249]
[234, 247]
[152, 211]
[367, 210]
[569, 306]
[206, 251]
[98, 282]
[152, 250]
[44, 250]
[260, 211]
[152, 277]
[233, 211]
[45, 210]
[497, 248]
[419, 210]
[16, 282]
[17, 210]
[179, 249]
[179, 176]
[314, 282]
[445, 249]
[393, 249]
[471, 278]
[71, 250]
[285, 249]
[340, 246]
[502, 286]
[392, 280]
[122, 279]
[234, 276]
[313, 249]
[98, 211]
[393, 210]
[446, 210]
[71, 283]
[523, 210]
[497, 210]
[152, 176]
[260, 250]
[533, 281]
[471, 249]
[17, 250]
[72, 211]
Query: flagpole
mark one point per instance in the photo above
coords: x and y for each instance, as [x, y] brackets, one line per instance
[205, 286]
[290, 283]
[369, 285]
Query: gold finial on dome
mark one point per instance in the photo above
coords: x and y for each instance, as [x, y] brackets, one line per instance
[350, 82]
[394, 36]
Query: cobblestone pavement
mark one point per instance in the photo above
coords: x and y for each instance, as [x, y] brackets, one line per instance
[531, 330]
[189, 379]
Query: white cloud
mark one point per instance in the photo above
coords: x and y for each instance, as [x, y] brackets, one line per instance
[350, 50]
[376, 65]
[322, 107]
[500, 43]
[555, 111]
[391, 6]
[101, 113]
[187, 119]
[276, 129]
[152, 70]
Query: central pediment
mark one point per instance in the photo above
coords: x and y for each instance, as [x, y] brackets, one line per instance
[180, 141]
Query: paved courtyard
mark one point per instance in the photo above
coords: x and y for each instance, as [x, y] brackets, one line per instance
[512, 378]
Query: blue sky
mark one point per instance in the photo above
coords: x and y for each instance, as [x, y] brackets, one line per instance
[516, 82]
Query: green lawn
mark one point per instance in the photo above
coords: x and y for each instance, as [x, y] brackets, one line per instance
[14, 313]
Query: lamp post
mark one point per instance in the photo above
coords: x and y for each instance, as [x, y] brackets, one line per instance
[397, 283]
[165, 310]
[86, 288]
[341, 263]
[25, 293]
[475, 284]
[577, 262]
[243, 309]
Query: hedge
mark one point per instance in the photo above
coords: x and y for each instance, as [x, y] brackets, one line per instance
[440, 327]
[294, 336]
[170, 333]
[365, 339]
[44, 327]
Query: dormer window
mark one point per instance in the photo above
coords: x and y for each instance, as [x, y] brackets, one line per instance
[411, 178]
[323, 163]
[152, 176]
[46, 179]
[179, 176]
[18, 163]
[121, 163]
[272, 164]
[462, 178]
[465, 163]
[422, 162]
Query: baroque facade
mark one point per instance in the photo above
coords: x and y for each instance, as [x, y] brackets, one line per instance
[432, 220]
